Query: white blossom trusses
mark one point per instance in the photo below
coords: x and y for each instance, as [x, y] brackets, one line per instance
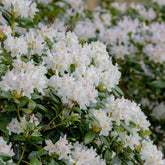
[79, 91]
[150, 154]
[85, 29]
[61, 147]
[6, 148]
[127, 111]
[24, 78]
[156, 50]
[80, 154]
[35, 42]
[81, 68]
[24, 8]
[86, 156]
[17, 46]
[104, 121]
[131, 140]
[159, 112]
[19, 127]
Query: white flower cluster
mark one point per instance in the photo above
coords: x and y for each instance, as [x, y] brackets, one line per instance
[127, 111]
[150, 154]
[121, 111]
[24, 8]
[86, 29]
[29, 44]
[24, 78]
[118, 37]
[91, 65]
[19, 127]
[159, 112]
[80, 91]
[77, 153]
[120, 6]
[6, 148]
[103, 121]
[132, 140]
[156, 50]
[147, 14]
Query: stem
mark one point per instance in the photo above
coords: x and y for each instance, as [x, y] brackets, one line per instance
[56, 125]
[22, 155]
[19, 117]
[12, 28]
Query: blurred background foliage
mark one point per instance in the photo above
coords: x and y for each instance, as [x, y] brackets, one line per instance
[93, 3]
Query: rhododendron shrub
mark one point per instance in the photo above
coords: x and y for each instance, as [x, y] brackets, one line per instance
[61, 102]
[133, 34]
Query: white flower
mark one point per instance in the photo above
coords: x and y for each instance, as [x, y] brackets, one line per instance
[24, 78]
[79, 91]
[159, 111]
[17, 46]
[127, 111]
[80, 154]
[19, 127]
[24, 8]
[86, 156]
[6, 148]
[61, 147]
[150, 154]
[85, 30]
[104, 121]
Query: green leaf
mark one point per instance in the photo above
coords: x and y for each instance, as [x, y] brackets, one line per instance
[127, 128]
[23, 101]
[35, 161]
[10, 107]
[53, 163]
[2, 162]
[7, 95]
[119, 91]
[54, 98]
[3, 68]
[25, 20]
[31, 105]
[105, 141]
[119, 133]
[36, 133]
[138, 158]
[6, 17]
[16, 101]
[41, 107]
[36, 139]
[102, 95]
[115, 161]
[72, 68]
[157, 84]
[89, 137]
[4, 156]
[108, 155]
[35, 154]
[130, 162]
[36, 19]
[17, 138]
[147, 132]
[35, 96]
